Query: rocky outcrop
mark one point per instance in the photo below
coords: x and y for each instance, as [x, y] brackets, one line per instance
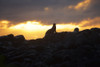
[76, 30]
[65, 49]
[51, 32]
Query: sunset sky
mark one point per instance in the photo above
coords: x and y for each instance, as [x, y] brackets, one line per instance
[32, 18]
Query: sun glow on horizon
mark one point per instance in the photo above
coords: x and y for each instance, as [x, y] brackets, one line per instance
[36, 26]
[38, 30]
[34, 29]
[28, 26]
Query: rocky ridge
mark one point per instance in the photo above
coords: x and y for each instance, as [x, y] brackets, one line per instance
[64, 49]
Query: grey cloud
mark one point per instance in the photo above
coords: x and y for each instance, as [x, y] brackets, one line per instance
[94, 9]
[23, 10]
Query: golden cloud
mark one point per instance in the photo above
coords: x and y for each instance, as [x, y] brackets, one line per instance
[46, 8]
[81, 5]
[90, 23]
[4, 24]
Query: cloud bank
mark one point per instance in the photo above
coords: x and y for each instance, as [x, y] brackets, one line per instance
[49, 11]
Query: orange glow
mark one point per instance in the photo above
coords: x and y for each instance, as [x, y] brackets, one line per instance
[46, 8]
[34, 29]
[66, 27]
[36, 26]
[82, 23]
[4, 21]
[82, 5]
[90, 22]
[28, 26]
[4, 24]
[30, 29]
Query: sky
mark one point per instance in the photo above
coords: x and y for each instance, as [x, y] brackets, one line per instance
[67, 14]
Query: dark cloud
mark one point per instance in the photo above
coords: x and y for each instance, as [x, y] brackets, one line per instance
[23, 10]
[94, 9]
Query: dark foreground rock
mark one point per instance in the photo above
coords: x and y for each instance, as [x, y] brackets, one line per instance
[65, 49]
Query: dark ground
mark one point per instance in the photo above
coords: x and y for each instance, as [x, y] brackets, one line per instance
[65, 49]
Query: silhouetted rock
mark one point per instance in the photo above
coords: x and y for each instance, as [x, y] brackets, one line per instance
[9, 37]
[76, 30]
[95, 30]
[51, 32]
[19, 38]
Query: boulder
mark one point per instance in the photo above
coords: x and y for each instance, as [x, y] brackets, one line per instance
[19, 38]
[9, 37]
[76, 29]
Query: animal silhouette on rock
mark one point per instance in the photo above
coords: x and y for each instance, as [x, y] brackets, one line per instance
[51, 31]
